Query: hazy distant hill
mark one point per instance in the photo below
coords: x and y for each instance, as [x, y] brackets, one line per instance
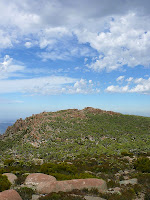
[68, 133]
[4, 126]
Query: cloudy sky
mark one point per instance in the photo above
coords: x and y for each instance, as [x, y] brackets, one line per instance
[59, 54]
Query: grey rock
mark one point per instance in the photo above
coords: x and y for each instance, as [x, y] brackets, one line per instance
[35, 197]
[130, 181]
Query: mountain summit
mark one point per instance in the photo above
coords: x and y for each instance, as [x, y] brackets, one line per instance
[68, 133]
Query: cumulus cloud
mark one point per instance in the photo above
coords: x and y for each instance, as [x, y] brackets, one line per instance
[28, 44]
[129, 79]
[8, 67]
[139, 85]
[117, 89]
[143, 86]
[118, 32]
[83, 87]
[120, 78]
[5, 39]
[52, 85]
[127, 42]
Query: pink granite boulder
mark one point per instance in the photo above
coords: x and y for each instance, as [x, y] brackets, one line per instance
[69, 185]
[10, 195]
[11, 177]
[37, 178]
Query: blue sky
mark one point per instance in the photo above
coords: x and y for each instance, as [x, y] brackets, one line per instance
[63, 54]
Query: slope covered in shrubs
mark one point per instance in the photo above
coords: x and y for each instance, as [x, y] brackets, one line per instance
[69, 133]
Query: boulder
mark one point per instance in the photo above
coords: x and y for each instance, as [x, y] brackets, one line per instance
[37, 178]
[11, 177]
[10, 195]
[69, 185]
[132, 181]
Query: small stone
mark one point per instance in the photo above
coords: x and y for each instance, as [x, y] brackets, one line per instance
[117, 189]
[126, 177]
[35, 197]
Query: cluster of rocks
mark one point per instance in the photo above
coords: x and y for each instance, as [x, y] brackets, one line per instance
[45, 184]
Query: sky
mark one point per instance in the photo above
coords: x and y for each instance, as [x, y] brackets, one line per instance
[60, 54]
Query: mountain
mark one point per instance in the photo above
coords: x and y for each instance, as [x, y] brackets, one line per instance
[4, 126]
[69, 133]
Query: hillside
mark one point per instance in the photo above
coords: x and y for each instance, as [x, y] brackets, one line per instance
[68, 133]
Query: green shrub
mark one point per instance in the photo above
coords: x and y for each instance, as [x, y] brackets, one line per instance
[9, 162]
[126, 194]
[64, 168]
[125, 153]
[112, 184]
[142, 164]
[60, 196]
[2, 171]
[20, 179]
[61, 177]
[143, 179]
[147, 194]
[25, 193]
[4, 183]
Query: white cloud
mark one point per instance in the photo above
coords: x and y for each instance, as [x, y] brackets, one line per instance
[129, 79]
[120, 78]
[8, 68]
[47, 86]
[77, 68]
[64, 51]
[119, 32]
[117, 89]
[82, 86]
[28, 44]
[5, 40]
[126, 43]
[141, 86]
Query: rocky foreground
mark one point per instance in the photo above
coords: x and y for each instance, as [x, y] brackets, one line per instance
[44, 184]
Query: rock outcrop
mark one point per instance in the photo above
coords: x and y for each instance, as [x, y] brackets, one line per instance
[37, 178]
[10, 195]
[69, 185]
[11, 177]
